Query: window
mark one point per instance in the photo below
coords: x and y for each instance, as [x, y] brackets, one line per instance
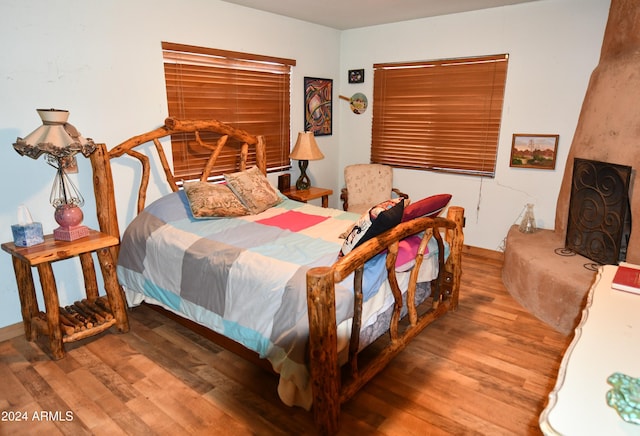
[250, 92]
[439, 115]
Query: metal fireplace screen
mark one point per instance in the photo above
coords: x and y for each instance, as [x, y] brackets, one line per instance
[599, 214]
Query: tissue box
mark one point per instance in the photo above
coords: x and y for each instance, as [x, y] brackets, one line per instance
[27, 234]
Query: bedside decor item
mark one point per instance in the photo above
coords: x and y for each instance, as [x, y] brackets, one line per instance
[356, 76]
[528, 223]
[624, 396]
[306, 149]
[627, 278]
[318, 105]
[284, 182]
[59, 141]
[534, 151]
[26, 233]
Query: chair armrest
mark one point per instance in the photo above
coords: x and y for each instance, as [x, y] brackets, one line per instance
[399, 193]
[344, 196]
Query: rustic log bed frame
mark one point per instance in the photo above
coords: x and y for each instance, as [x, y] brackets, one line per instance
[331, 385]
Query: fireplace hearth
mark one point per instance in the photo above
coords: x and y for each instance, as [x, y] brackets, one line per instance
[599, 224]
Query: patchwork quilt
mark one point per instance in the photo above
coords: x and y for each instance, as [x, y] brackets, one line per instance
[245, 277]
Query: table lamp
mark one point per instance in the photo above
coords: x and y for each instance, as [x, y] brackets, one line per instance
[306, 149]
[59, 141]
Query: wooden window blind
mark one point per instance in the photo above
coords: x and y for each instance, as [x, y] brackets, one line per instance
[250, 92]
[439, 115]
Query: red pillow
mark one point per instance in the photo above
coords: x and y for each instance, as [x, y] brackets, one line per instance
[427, 207]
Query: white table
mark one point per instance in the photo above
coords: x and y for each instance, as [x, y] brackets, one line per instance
[607, 340]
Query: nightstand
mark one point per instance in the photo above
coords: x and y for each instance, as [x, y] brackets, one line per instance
[309, 194]
[84, 318]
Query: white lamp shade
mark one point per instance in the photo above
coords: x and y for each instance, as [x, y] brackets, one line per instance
[55, 137]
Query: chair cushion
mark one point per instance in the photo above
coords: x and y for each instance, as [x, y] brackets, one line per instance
[375, 221]
[368, 184]
[359, 208]
[427, 207]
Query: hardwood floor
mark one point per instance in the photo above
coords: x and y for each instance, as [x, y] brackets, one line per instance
[484, 370]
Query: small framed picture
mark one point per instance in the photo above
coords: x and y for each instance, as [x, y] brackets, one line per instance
[356, 76]
[534, 151]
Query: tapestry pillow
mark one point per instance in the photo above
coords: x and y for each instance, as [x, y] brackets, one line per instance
[253, 189]
[208, 200]
[376, 220]
[427, 207]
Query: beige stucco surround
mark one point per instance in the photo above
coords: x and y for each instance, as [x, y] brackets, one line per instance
[608, 130]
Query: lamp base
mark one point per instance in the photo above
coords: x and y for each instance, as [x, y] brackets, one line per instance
[70, 233]
[69, 217]
[303, 181]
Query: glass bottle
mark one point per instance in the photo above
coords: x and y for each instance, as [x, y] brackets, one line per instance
[528, 223]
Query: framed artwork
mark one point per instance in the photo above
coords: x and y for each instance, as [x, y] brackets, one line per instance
[356, 76]
[534, 151]
[318, 105]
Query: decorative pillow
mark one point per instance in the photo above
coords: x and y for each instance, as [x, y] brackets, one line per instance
[376, 220]
[209, 200]
[253, 189]
[427, 207]
[407, 250]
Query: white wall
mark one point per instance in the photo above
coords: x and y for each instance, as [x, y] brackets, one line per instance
[102, 61]
[554, 45]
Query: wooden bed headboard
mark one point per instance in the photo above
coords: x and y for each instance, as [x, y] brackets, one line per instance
[101, 162]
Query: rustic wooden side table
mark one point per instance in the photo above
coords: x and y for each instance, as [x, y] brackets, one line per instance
[82, 319]
[309, 194]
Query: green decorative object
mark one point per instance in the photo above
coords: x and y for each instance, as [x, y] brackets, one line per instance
[624, 397]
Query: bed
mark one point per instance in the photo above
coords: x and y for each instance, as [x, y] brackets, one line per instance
[304, 288]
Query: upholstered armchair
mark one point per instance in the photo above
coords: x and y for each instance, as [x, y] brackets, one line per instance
[366, 186]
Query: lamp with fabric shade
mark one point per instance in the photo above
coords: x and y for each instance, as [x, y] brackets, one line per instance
[306, 149]
[59, 141]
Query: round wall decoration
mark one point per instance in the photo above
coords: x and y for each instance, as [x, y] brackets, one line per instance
[358, 102]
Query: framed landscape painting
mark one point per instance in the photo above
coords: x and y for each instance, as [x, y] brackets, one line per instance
[534, 151]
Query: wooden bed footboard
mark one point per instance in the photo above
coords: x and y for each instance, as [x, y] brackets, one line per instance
[331, 388]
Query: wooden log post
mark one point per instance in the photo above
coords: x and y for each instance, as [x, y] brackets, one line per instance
[455, 239]
[89, 274]
[323, 349]
[104, 194]
[50, 293]
[261, 154]
[27, 293]
[115, 295]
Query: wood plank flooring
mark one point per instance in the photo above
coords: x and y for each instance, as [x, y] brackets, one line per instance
[484, 370]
